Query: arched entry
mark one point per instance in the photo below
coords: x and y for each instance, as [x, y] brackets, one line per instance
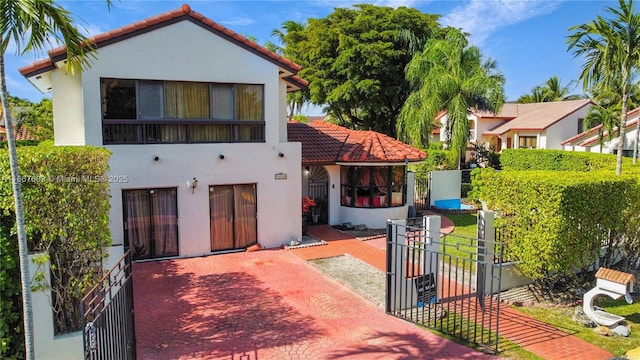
[318, 190]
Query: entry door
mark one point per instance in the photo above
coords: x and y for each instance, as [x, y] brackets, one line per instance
[233, 216]
[151, 223]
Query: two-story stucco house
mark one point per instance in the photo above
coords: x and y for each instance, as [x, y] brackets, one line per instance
[195, 117]
[533, 126]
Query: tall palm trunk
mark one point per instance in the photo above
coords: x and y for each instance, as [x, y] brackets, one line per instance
[636, 146]
[621, 131]
[22, 235]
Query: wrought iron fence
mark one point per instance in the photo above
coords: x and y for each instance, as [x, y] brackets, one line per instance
[447, 283]
[108, 319]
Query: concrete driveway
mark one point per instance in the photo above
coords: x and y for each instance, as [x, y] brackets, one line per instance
[267, 305]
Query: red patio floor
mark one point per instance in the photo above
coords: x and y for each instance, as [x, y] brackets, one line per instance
[267, 305]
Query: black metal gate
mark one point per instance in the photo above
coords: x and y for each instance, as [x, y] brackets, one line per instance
[421, 193]
[448, 283]
[108, 320]
[318, 190]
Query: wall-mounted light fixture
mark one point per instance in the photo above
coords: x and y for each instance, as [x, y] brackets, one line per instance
[281, 154]
[221, 157]
[156, 157]
[193, 184]
[306, 170]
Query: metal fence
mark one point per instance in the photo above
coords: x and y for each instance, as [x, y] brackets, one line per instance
[444, 282]
[108, 319]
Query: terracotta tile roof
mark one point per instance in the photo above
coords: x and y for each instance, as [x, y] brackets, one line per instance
[168, 18]
[21, 133]
[536, 116]
[325, 143]
[615, 276]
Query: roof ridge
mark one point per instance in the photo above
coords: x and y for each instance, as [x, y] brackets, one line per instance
[111, 36]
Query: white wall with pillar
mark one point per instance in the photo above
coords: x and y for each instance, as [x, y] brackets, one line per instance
[47, 345]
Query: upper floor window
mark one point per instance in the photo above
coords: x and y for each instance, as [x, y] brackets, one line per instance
[372, 186]
[144, 112]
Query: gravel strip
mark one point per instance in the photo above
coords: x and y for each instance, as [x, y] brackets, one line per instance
[364, 279]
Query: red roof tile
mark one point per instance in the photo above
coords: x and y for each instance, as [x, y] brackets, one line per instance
[325, 143]
[21, 133]
[183, 13]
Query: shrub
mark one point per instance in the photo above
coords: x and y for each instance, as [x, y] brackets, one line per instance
[559, 220]
[66, 205]
[538, 159]
[11, 329]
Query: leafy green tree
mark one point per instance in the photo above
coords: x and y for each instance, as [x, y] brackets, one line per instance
[38, 118]
[550, 91]
[611, 48]
[354, 61]
[29, 24]
[449, 75]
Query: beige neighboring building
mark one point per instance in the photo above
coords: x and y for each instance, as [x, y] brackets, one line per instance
[536, 125]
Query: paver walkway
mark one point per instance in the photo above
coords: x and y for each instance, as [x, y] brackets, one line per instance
[267, 305]
[535, 336]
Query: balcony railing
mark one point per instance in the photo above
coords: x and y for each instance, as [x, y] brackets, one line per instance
[181, 131]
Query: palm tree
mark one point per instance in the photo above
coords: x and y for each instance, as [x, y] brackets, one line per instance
[289, 34]
[448, 75]
[611, 48]
[28, 24]
[550, 91]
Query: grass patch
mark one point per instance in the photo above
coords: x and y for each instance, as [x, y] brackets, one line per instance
[460, 244]
[618, 345]
[465, 225]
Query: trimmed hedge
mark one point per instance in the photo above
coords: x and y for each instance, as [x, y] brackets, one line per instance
[556, 221]
[3, 143]
[559, 160]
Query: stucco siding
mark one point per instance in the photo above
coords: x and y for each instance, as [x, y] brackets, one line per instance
[186, 52]
[563, 129]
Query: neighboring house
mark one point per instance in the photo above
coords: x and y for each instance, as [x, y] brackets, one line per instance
[597, 139]
[195, 117]
[21, 133]
[537, 125]
[355, 176]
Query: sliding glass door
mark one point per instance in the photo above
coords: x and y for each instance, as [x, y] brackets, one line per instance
[233, 216]
[151, 223]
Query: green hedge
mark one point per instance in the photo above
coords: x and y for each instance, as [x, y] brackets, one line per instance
[66, 206]
[3, 143]
[537, 159]
[556, 221]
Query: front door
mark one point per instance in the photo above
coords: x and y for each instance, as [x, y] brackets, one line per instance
[151, 223]
[233, 216]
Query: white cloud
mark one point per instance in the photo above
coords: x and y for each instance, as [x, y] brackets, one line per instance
[238, 21]
[481, 18]
[397, 3]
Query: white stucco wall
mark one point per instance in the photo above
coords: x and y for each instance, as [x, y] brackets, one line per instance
[169, 53]
[563, 129]
[445, 184]
[278, 200]
[46, 345]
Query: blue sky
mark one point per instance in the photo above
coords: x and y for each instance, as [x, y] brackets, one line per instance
[525, 37]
